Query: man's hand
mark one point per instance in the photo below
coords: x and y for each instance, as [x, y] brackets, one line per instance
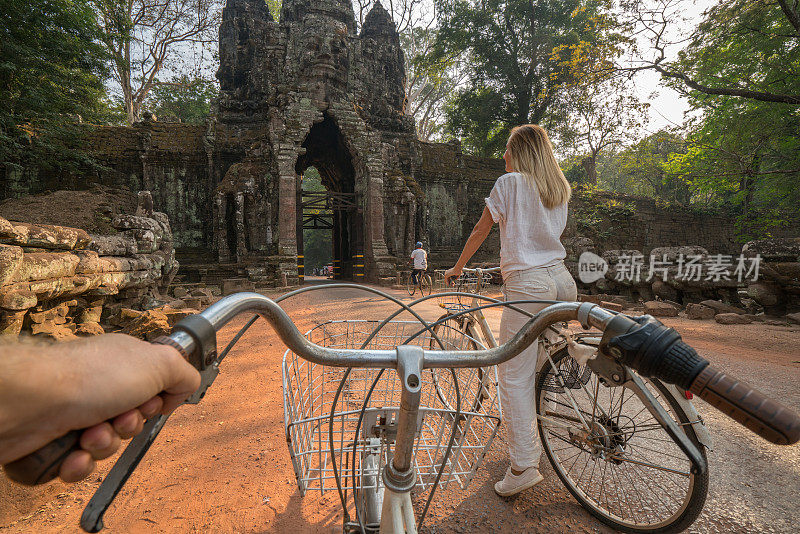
[451, 274]
[107, 385]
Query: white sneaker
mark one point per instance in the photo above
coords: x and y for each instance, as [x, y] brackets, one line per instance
[513, 484]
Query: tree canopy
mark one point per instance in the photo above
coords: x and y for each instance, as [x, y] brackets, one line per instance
[51, 76]
[514, 49]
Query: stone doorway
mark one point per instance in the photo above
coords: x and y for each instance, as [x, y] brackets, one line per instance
[325, 150]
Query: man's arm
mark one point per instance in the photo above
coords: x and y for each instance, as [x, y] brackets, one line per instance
[108, 385]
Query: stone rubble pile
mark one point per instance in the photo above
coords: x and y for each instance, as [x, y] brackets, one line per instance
[57, 281]
[726, 299]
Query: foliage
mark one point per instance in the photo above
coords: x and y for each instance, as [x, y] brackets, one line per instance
[600, 115]
[515, 50]
[746, 49]
[429, 82]
[645, 168]
[51, 75]
[275, 8]
[182, 99]
[145, 37]
[597, 215]
[745, 152]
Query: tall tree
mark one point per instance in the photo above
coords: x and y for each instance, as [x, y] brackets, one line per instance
[600, 115]
[145, 37]
[428, 83]
[647, 167]
[512, 47]
[51, 72]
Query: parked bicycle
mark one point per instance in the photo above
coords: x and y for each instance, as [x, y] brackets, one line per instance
[386, 434]
[581, 423]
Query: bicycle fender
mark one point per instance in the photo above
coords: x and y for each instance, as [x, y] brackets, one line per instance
[700, 429]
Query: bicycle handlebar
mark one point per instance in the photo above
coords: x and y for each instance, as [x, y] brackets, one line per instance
[644, 345]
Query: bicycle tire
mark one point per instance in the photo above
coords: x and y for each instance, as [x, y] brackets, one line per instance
[687, 508]
[411, 287]
[425, 285]
[464, 327]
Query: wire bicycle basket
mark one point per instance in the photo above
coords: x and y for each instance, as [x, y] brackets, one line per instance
[361, 450]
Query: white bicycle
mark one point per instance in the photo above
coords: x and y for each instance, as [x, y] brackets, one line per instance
[391, 432]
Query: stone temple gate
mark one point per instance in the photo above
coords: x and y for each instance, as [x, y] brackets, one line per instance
[308, 91]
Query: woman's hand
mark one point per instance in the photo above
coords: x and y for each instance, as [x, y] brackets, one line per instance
[455, 272]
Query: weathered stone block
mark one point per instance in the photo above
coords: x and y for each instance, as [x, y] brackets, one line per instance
[721, 307]
[89, 328]
[17, 299]
[10, 260]
[236, 285]
[11, 322]
[657, 308]
[732, 318]
[698, 311]
[148, 326]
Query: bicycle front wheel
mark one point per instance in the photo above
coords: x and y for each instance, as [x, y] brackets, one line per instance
[611, 453]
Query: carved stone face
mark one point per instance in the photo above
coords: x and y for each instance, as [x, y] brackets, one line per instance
[325, 55]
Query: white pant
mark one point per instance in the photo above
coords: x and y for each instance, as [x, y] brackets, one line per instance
[518, 375]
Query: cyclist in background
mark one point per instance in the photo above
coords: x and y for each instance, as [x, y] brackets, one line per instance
[530, 205]
[420, 260]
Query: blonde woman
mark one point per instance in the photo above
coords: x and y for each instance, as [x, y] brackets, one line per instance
[530, 205]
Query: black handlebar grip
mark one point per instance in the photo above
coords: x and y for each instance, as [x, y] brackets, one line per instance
[766, 417]
[42, 465]
[680, 365]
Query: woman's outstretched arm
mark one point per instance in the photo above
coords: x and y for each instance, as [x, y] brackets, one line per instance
[476, 238]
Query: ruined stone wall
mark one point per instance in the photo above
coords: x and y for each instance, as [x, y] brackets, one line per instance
[55, 281]
[168, 159]
[454, 185]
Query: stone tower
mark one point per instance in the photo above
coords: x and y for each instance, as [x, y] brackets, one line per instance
[308, 90]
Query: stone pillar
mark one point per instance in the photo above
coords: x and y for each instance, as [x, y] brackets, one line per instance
[220, 228]
[287, 204]
[241, 246]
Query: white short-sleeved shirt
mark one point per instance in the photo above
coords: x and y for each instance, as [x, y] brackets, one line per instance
[530, 234]
[420, 258]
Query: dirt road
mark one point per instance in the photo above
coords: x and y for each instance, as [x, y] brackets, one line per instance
[223, 465]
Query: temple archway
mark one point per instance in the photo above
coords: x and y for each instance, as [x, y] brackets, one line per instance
[326, 150]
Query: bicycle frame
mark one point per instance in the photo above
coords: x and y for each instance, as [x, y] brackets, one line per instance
[628, 344]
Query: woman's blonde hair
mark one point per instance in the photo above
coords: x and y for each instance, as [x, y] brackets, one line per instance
[531, 154]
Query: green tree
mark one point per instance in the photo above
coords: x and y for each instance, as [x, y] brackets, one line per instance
[598, 116]
[317, 244]
[744, 150]
[145, 37]
[51, 74]
[517, 50]
[646, 167]
[182, 99]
